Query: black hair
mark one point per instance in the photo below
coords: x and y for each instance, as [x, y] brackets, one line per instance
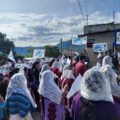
[88, 109]
[51, 62]
[14, 71]
[25, 69]
[34, 65]
[82, 57]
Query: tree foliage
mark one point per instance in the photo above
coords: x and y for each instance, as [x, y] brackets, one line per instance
[30, 50]
[51, 51]
[5, 44]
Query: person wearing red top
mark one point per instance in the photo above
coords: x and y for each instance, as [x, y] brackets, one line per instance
[80, 66]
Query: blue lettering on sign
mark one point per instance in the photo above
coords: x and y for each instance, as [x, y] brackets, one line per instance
[79, 41]
[38, 53]
[100, 47]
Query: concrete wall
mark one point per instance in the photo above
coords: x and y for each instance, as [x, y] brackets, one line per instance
[100, 28]
[100, 38]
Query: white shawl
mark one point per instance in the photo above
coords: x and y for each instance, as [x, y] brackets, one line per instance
[48, 88]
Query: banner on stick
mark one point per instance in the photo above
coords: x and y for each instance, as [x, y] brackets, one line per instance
[79, 41]
[100, 47]
[38, 53]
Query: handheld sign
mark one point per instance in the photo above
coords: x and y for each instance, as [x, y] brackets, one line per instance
[117, 38]
[75, 87]
[79, 41]
[38, 53]
[100, 47]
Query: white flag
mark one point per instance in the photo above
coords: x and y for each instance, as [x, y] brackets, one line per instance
[11, 56]
[75, 87]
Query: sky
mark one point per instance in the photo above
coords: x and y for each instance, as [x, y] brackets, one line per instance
[41, 22]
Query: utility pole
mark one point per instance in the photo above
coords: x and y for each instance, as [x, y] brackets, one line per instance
[61, 45]
[87, 20]
[114, 16]
[114, 30]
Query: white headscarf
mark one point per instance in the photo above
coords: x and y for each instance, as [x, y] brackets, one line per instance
[111, 76]
[62, 63]
[56, 64]
[107, 60]
[18, 84]
[48, 87]
[44, 68]
[95, 87]
[67, 73]
[99, 55]
[66, 67]
[98, 66]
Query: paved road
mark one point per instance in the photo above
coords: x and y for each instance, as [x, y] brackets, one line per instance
[36, 116]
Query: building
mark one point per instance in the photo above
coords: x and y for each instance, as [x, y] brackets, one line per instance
[69, 49]
[100, 33]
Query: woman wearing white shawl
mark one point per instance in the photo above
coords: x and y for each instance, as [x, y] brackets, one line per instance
[56, 64]
[111, 76]
[67, 76]
[94, 102]
[66, 82]
[99, 61]
[45, 67]
[51, 95]
[56, 69]
[48, 88]
[19, 95]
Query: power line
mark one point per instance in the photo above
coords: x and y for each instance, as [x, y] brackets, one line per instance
[75, 9]
[79, 3]
[86, 8]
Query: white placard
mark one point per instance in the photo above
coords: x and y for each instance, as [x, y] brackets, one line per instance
[100, 47]
[79, 41]
[75, 87]
[39, 53]
[118, 38]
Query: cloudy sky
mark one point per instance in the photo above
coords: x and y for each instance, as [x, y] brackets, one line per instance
[39, 22]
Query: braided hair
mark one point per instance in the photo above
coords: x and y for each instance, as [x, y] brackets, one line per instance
[88, 109]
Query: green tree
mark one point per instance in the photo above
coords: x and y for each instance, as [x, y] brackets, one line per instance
[5, 44]
[51, 51]
[30, 50]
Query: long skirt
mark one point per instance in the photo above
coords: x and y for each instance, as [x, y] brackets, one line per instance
[118, 106]
[53, 111]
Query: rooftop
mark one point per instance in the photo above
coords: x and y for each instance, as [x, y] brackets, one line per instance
[100, 28]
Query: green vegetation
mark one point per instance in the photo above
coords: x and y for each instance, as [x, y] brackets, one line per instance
[51, 51]
[5, 44]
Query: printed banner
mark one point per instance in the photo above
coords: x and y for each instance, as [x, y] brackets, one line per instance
[79, 41]
[100, 47]
[38, 53]
[117, 38]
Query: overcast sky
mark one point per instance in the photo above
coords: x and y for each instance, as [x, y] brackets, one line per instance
[37, 22]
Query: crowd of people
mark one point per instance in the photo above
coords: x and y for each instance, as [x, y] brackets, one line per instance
[43, 85]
